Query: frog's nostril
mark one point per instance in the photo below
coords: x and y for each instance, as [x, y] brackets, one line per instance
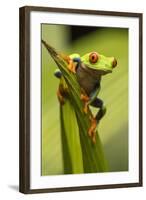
[114, 63]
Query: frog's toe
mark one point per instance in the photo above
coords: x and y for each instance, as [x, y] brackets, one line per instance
[84, 98]
[92, 134]
[92, 129]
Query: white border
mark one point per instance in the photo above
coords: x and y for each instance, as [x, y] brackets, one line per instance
[132, 176]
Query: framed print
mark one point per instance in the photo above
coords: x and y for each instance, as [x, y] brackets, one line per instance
[80, 99]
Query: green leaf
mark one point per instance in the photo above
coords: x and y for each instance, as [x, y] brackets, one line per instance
[72, 153]
[75, 137]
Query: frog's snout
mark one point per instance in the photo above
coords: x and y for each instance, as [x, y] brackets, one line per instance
[114, 63]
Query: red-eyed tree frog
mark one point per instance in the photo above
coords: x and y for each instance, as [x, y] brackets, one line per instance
[89, 69]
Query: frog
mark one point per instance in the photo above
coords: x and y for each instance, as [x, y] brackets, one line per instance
[89, 70]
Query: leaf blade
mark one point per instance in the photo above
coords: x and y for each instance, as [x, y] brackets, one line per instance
[92, 154]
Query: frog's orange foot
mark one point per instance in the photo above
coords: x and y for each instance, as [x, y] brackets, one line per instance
[85, 99]
[86, 107]
[71, 65]
[60, 97]
[92, 129]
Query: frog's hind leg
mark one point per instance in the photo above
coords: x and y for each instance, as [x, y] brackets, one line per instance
[60, 96]
[62, 92]
[58, 74]
[98, 103]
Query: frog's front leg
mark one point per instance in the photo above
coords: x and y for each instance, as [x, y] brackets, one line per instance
[71, 65]
[73, 62]
[98, 103]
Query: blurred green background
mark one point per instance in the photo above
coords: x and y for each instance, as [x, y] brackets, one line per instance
[113, 129]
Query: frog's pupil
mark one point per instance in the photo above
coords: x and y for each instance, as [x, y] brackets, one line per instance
[93, 57]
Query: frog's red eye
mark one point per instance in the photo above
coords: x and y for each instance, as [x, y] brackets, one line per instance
[93, 57]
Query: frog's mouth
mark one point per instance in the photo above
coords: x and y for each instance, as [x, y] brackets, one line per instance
[98, 71]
